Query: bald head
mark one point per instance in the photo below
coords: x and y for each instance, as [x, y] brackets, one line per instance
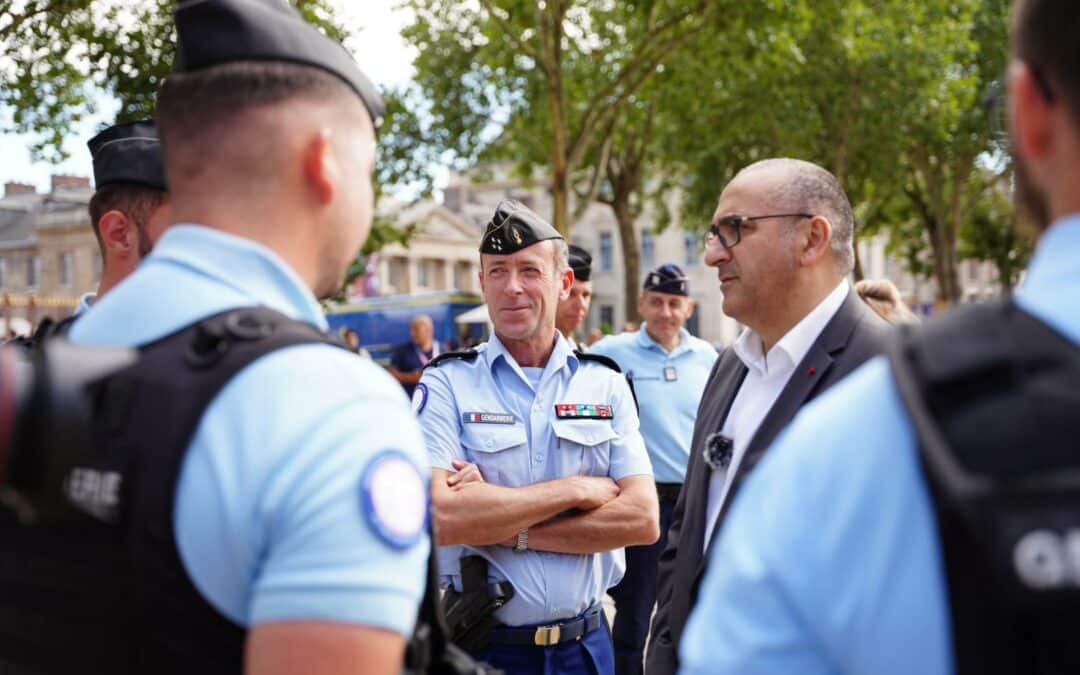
[422, 331]
[794, 185]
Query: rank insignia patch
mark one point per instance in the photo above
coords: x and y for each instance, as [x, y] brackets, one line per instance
[587, 411]
[487, 418]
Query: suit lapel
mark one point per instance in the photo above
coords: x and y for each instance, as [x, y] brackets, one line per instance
[798, 390]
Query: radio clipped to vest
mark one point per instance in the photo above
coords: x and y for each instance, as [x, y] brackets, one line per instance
[994, 396]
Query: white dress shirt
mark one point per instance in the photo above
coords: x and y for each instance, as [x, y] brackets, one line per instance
[767, 376]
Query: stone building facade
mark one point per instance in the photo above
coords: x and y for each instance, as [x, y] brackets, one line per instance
[48, 253]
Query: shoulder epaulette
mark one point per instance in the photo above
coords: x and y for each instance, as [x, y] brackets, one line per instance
[464, 355]
[588, 356]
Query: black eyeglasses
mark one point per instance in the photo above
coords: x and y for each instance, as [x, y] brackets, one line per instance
[728, 230]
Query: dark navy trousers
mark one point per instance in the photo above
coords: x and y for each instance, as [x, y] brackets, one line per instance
[635, 596]
[591, 655]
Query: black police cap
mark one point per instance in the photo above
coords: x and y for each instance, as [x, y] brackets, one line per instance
[213, 32]
[128, 153]
[668, 278]
[580, 262]
[514, 227]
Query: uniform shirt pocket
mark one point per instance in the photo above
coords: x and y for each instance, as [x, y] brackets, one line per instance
[500, 450]
[584, 446]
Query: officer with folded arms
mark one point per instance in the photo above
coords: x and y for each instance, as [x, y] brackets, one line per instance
[668, 368]
[539, 474]
[256, 496]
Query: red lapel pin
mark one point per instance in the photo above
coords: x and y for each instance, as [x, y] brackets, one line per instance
[811, 370]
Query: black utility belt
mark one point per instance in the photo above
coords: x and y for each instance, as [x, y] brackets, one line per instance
[668, 492]
[554, 634]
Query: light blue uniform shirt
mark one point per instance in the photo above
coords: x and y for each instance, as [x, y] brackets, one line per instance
[269, 517]
[533, 447]
[830, 560]
[668, 387]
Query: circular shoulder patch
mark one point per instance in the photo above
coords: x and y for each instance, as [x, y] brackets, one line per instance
[419, 398]
[395, 499]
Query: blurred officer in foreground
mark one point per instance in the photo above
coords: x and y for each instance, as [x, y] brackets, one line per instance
[923, 516]
[573, 310]
[668, 369]
[256, 503]
[781, 243]
[539, 474]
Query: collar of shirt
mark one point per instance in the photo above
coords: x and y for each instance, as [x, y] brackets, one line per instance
[243, 264]
[645, 340]
[1051, 289]
[561, 357]
[195, 272]
[86, 301]
[791, 348]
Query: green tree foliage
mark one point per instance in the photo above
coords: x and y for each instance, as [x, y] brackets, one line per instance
[541, 82]
[59, 58]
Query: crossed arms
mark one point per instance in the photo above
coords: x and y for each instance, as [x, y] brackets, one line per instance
[609, 514]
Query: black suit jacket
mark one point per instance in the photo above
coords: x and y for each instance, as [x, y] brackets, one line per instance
[853, 335]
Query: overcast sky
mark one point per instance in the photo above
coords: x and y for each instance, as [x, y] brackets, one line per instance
[377, 45]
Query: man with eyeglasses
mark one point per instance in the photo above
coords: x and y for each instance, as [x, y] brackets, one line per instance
[924, 516]
[781, 242]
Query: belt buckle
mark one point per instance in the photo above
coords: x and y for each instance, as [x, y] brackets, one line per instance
[547, 636]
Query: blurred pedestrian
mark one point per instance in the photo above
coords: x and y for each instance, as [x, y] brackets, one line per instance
[409, 358]
[884, 297]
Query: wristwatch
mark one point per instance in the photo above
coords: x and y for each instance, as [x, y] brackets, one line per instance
[522, 541]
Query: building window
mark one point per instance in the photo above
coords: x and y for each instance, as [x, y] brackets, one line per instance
[607, 318]
[65, 269]
[3, 272]
[605, 252]
[690, 245]
[33, 271]
[464, 276]
[98, 265]
[399, 274]
[647, 249]
[423, 274]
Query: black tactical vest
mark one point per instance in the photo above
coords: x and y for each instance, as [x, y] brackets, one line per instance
[994, 395]
[100, 587]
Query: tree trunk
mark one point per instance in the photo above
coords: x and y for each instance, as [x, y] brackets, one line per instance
[626, 219]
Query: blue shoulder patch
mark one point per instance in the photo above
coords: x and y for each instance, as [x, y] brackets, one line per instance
[419, 398]
[395, 499]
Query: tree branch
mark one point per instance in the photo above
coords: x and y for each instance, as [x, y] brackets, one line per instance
[508, 30]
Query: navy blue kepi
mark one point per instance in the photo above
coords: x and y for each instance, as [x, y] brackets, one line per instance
[213, 32]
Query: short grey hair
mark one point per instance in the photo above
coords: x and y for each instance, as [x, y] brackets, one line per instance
[561, 256]
[813, 189]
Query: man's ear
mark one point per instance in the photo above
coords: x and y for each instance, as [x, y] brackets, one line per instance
[321, 170]
[1030, 114]
[567, 284]
[118, 233]
[815, 244]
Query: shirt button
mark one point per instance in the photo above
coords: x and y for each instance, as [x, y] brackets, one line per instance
[538, 457]
[489, 443]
